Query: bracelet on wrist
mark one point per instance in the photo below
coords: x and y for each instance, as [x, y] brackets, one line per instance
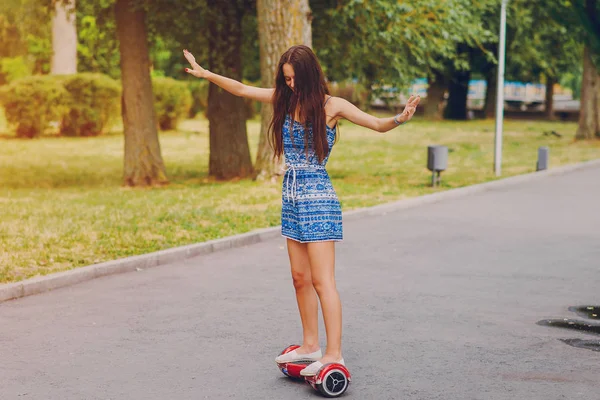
[396, 120]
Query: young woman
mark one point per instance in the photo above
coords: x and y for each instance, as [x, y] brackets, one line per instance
[303, 130]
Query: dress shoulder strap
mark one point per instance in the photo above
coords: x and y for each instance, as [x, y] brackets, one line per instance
[329, 98]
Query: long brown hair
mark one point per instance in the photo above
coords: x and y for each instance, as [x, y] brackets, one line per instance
[308, 95]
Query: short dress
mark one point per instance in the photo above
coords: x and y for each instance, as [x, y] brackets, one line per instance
[311, 211]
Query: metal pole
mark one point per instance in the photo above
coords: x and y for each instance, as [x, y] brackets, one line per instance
[500, 91]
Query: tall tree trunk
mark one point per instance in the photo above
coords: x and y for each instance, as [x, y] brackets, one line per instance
[589, 113]
[549, 100]
[435, 96]
[229, 151]
[491, 92]
[143, 160]
[64, 39]
[281, 24]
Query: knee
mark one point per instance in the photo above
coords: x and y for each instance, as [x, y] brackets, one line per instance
[301, 279]
[323, 285]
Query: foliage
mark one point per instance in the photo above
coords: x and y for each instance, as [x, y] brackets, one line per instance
[250, 48]
[98, 47]
[583, 16]
[93, 103]
[384, 42]
[538, 44]
[174, 26]
[587, 13]
[25, 30]
[32, 103]
[172, 101]
[572, 81]
[12, 68]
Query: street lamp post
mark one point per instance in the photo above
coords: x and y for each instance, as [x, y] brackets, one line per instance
[500, 91]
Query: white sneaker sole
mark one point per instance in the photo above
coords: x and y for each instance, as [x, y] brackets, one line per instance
[303, 359]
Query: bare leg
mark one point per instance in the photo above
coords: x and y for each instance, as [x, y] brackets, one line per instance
[305, 295]
[322, 262]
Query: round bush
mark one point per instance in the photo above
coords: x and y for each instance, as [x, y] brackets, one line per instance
[94, 101]
[172, 101]
[33, 102]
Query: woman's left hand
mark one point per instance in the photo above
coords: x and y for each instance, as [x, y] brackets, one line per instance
[410, 108]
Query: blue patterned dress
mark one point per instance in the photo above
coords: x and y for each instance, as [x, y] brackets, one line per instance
[310, 211]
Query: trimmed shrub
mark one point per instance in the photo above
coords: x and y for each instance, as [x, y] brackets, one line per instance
[172, 101]
[94, 101]
[33, 102]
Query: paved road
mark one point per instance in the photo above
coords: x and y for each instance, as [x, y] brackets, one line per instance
[440, 302]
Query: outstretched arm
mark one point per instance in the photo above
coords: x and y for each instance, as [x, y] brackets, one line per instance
[347, 110]
[231, 85]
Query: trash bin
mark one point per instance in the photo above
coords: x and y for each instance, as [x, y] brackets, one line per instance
[437, 161]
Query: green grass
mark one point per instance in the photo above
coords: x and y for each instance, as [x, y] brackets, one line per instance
[63, 206]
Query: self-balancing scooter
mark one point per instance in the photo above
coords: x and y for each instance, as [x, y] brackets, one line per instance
[331, 380]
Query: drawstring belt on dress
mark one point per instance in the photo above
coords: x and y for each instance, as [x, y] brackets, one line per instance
[292, 191]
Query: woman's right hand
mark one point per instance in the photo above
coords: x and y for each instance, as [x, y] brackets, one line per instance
[196, 69]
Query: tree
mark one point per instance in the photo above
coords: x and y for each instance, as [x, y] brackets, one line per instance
[477, 49]
[143, 160]
[281, 24]
[392, 43]
[540, 48]
[64, 38]
[589, 123]
[229, 151]
[582, 18]
[537, 49]
[213, 31]
[588, 14]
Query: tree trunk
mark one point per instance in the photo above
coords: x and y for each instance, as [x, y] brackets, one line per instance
[229, 151]
[491, 93]
[64, 39]
[281, 24]
[435, 96]
[457, 99]
[458, 89]
[589, 113]
[143, 160]
[549, 100]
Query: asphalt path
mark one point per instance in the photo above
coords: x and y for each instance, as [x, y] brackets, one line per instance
[439, 301]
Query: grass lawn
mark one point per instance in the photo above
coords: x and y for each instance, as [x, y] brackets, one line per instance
[62, 204]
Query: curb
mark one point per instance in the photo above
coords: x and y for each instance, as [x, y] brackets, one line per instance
[46, 283]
